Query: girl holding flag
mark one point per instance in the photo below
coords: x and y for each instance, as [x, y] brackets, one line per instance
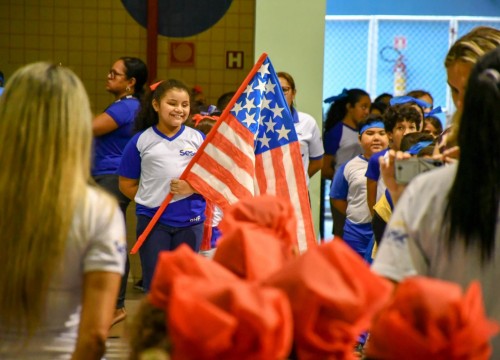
[152, 163]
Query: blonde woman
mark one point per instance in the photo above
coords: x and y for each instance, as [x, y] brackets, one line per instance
[62, 240]
[459, 61]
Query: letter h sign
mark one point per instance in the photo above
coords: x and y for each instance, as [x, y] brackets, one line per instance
[234, 59]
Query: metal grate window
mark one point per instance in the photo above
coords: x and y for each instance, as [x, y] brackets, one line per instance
[372, 52]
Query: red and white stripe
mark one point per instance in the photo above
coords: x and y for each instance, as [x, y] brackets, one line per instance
[227, 170]
[274, 177]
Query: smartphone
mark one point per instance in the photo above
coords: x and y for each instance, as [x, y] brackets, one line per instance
[406, 170]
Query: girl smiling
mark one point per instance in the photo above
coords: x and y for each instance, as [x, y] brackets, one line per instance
[151, 166]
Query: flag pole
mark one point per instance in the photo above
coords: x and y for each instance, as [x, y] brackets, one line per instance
[151, 224]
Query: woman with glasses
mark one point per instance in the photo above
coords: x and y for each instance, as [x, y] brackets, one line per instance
[306, 127]
[112, 130]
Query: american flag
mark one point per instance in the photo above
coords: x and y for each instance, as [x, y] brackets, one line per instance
[252, 149]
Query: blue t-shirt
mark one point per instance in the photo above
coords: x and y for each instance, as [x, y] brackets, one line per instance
[155, 159]
[389, 199]
[342, 141]
[373, 170]
[108, 148]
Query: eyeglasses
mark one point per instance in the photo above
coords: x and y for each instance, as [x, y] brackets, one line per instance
[285, 89]
[112, 74]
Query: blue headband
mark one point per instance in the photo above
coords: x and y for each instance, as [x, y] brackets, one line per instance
[398, 100]
[342, 95]
[415, 149]
[375, 124]
[433, 112]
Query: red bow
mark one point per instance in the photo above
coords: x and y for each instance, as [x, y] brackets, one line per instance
[198, 117]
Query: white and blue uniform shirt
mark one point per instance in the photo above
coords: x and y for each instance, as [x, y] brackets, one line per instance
[311, 146]
[349, 184]
[342, 141]
[155, 159]
[108, 148]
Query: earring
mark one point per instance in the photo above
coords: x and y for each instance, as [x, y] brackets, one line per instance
[127, 89]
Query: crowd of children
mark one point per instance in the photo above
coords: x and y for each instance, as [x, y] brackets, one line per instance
[358, 136]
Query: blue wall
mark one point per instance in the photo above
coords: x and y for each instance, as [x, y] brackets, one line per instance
[413, 7]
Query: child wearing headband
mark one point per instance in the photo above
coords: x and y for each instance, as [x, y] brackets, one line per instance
[348, 191]
[401, 118]
[433, 126]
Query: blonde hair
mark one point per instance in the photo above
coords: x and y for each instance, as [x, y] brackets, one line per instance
[45, 132]
[470, 47]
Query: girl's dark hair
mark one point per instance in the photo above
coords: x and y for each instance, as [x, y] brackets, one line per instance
[337, 111]
[473, 201]
[401, 112]
[291, 81]
[135, 68]
[417, 94]
[413, 138]
[206, 125]
[380, 106]
[383, 98]
[434, 122]
[288, 78]
[224, 100]
[148, 117]
[426, 151]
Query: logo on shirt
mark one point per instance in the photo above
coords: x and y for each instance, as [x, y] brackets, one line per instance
[196, 219]
[120, 247]
[397, 236]
[187, 152]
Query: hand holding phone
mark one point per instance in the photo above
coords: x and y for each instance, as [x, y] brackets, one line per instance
[405, 170]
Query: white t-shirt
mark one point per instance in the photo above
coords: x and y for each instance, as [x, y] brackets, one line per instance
[413, 243]
[311, 145]
[349, 184]
[96, 243]
[155, 159]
